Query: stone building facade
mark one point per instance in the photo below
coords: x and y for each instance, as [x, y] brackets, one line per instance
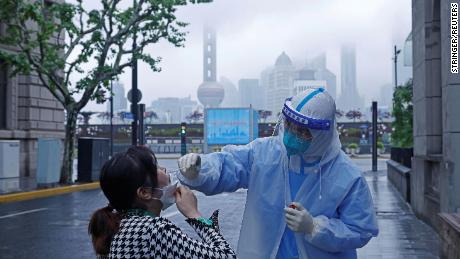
[436, 119]
[435, 180]
[28, 111]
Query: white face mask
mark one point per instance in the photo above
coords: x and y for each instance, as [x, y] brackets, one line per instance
[167, 197]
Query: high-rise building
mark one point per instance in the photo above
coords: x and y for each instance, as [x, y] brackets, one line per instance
[318, 62]
[210, 92]
[232, 97]
[319, 65]
[305, 74]
[349, 97]
[385, 97]
[280, 80]
[302, 85]
[264, 81]
[305, 79]
[250, 93]
[283, 80]
[120, 102]
[173, 109]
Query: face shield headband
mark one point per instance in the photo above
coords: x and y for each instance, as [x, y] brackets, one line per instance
[294, 116]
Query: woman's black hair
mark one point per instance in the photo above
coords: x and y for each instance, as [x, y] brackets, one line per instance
[122, 175]
[120, 178]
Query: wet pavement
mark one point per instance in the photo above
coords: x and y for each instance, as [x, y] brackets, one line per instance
[56, 227]
[401, 235]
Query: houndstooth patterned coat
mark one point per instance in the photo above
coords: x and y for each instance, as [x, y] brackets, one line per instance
[143, 236]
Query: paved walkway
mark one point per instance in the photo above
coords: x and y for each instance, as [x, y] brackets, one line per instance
[401, 235]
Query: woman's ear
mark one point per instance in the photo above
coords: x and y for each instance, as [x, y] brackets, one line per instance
[143, 193]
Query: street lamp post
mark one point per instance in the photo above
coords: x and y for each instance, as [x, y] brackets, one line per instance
[134, 104]
[111, 118]
[395, 58]
[374, 136]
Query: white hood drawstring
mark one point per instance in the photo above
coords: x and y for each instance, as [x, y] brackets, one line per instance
[320, 179]
[278, 123]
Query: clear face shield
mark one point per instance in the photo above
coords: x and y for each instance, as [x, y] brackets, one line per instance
[296, 139]
[296, 129]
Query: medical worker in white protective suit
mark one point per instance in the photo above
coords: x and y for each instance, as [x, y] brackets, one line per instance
[305, 198]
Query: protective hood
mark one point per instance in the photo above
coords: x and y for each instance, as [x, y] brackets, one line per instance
[314, 109]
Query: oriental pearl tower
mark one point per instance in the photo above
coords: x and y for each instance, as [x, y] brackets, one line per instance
[210, 92]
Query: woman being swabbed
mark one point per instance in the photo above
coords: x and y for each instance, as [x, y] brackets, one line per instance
[131, 226]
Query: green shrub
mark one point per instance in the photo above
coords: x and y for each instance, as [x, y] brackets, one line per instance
[380, 145]
[353, 146]
[403, 114]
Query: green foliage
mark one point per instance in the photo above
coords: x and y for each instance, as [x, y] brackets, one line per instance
[352, 146]
[173, 132]
[60, 41]
[403, 113]
[354, 132]
[380, 145]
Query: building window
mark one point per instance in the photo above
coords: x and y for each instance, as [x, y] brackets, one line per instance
[3, 98]
[209, 60]
[209, 48]
[209, 73]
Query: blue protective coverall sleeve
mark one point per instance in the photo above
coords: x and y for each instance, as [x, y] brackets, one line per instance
[225, 171]
[355, 226]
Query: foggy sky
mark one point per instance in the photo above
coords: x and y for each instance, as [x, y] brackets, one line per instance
[252, 33]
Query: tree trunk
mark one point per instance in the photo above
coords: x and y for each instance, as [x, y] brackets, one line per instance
[69, 147]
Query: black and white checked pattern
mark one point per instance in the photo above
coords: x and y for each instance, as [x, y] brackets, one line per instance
[142, 236]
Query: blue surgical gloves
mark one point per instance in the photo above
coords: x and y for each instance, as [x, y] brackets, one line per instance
[190, 165]
[299, 219]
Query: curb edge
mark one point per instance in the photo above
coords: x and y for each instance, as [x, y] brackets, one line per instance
[23, 196]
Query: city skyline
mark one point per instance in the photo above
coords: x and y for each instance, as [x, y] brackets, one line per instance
[292, 28]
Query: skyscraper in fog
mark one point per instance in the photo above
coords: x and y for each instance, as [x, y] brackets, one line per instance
[319, 65]
[173, 109]
[280, 81]
[284, 80]
[210, 92]
[264, 82]
[250, 93]
[120, 102]
[349, 96]
[232, 97]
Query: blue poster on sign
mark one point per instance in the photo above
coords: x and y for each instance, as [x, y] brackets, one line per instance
[127, 116]
[229, 126]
